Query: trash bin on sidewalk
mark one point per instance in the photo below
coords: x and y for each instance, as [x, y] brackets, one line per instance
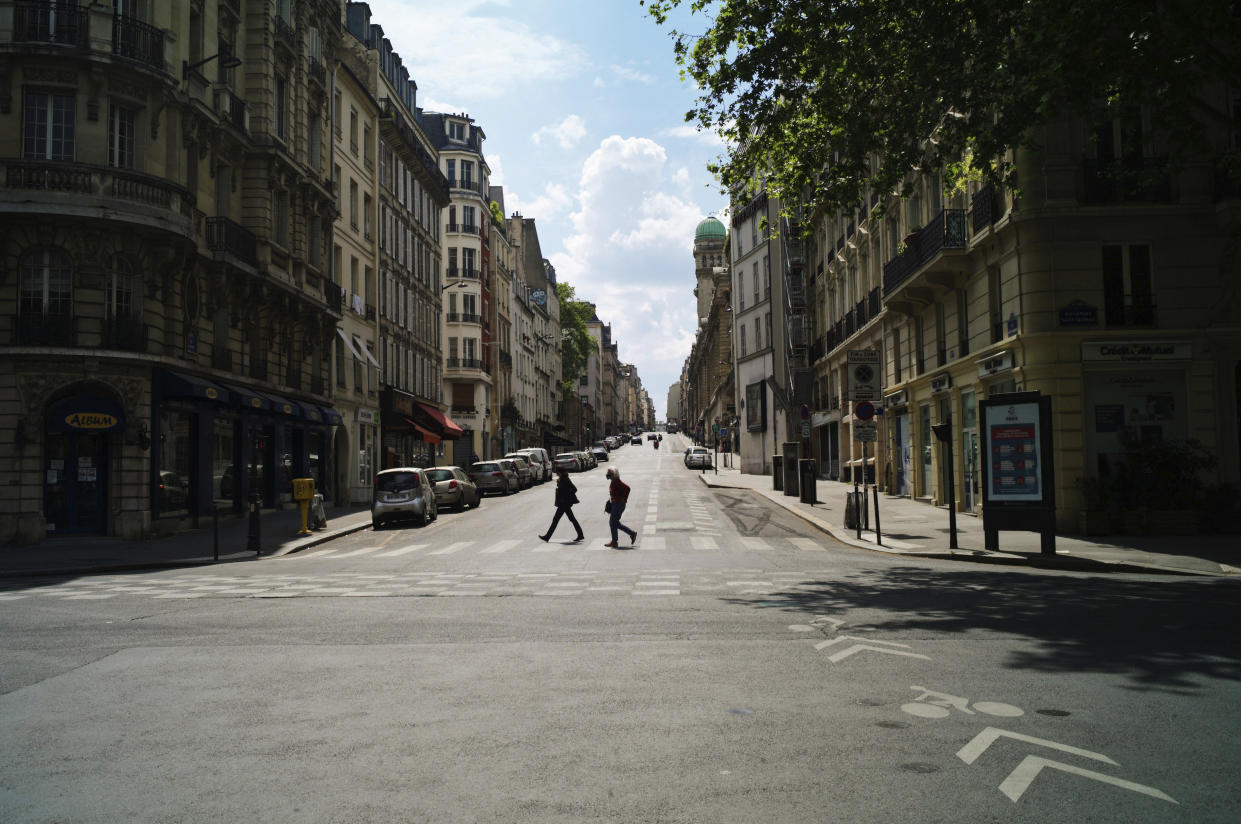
[790, 468]
[854, 507]
[777, 472]
[808, 480]
[318, 515]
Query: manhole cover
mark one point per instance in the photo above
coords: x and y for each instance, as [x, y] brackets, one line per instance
[891, 725]
[920, 767]
[1054, 713]
[741, 711]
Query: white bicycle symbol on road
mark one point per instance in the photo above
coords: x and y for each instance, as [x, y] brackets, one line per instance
[932, 704]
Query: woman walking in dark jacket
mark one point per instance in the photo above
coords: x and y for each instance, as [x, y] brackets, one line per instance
[618, 496]
[566, 497]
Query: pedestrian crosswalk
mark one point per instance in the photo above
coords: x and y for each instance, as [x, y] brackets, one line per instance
[681, 541]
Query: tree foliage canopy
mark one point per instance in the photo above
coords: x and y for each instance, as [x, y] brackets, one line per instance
[576, 343]
[833, 99]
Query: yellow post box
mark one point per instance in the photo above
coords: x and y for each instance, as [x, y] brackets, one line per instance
[303, 492]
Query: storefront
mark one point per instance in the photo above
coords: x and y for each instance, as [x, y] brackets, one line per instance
[413, 432]
[213, 443]
[75, 469]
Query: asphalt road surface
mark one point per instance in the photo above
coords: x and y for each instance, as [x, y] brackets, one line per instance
[735, 665]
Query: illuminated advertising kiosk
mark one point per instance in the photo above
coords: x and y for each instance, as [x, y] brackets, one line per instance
[1018, 474]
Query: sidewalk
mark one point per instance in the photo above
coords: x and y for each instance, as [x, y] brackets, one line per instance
[918, 529]
[94, 554]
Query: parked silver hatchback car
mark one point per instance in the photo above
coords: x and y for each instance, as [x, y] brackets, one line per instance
[539, 459]
[453, 487]
[402, 493]
[492, 476]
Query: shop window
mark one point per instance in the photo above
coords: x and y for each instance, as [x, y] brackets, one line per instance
[225, 488]
[176, 452]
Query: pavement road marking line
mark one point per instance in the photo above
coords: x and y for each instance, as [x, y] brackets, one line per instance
[654, 542]
[978, 745]
[657, 592]
[403, 550]
[1019, 779]
[452, 548]
[760, 544]
[808, 544]
[500, 546]
[597, 544]
[363, 551]
[91, 597]
[703, 542]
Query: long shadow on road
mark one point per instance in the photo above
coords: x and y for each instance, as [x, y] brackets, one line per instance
[1161, 635]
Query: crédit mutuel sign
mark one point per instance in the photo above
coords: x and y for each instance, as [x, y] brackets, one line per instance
[1136, 350]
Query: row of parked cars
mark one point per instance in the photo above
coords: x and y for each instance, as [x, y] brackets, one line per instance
[417, 494]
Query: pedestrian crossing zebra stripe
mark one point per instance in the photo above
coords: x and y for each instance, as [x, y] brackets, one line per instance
[402, 551]
[452, 548]
[701, 539]
[502, 546]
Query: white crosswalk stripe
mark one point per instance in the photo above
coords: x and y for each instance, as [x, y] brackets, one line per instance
[760, 544]
[499, 546]
[452, 548]
[808, 544]
[363, 551]
[703, 542]
[405, 550]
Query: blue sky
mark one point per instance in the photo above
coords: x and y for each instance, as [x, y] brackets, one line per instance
[584, 111]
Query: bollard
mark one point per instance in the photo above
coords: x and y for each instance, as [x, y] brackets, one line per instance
[777, 472]
[809, 480]
[254, 541]
[215, 530]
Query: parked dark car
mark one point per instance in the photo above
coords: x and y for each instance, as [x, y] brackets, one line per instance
[491, 476]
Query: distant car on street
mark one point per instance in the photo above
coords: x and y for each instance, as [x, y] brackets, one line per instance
[568, 461]
[453, 487]
[402, 493]
[525, 473]
[636, 440]
[491, 476]
[599, 453]
[539, 460]
[698, 457]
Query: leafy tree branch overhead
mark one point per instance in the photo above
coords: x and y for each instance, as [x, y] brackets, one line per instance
[836, 99]
[577, 344]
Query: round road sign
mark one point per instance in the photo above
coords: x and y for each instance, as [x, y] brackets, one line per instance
[865, 410]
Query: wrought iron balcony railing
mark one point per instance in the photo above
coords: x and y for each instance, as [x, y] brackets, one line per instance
[225, 235]
[64, 24]
[135, 40]
[945, 231]
[45, 329]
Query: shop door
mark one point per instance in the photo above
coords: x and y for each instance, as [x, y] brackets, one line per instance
[904, 452]
[76, 482]
[924, 435]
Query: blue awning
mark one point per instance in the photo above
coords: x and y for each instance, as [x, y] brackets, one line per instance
[180, 385]
[284, 406]
[331, 417]
[248, 399]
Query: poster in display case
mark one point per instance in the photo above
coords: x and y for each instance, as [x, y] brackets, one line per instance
[1018, 474]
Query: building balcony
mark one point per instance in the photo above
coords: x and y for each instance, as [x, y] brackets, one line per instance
[45, 330]
[316, 71]
[463, 363]
[984, 208]
[464, 411]
[103, 187]
[468, 185]
[232, 110]
[937, 247]
[334, 297]
[135, 40]
[455, 272]
[1126, 180]
[225, 235]
[38, 21]
[284, 33]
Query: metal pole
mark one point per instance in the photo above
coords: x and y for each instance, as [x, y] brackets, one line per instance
[878, 534]
[215, 530]
[952, 496]
[857, 497]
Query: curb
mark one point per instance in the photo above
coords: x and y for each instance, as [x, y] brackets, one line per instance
[1060, 562]
[321, 538]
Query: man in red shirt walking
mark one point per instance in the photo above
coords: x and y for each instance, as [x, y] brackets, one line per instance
[618, 496]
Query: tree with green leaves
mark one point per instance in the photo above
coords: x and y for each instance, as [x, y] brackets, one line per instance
[576, 342]
[826, 102]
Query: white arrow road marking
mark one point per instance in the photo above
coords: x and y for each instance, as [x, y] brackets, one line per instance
[970, 752]
[395, 552]
[451, 548]
[1019, 780]
[845, 653]
[500, 546]
[823, 619]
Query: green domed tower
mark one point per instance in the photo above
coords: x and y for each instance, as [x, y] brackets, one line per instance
[710, 241]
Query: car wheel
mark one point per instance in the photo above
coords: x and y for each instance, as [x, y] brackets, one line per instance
[376, 524]
[478, 501]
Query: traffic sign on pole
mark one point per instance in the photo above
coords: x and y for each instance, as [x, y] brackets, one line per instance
[865, 378]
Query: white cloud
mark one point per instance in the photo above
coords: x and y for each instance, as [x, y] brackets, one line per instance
[599, 82]
[553, 202]
[688, 132]
[567, 132]
[628, 73]
[432, 105]
[631, 253]
[468, 33]
[496, 164]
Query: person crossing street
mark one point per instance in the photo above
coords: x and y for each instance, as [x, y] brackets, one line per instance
[566, 497]
[618, 496]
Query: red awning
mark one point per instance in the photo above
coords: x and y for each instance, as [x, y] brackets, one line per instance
[427, 435]
[451, 430]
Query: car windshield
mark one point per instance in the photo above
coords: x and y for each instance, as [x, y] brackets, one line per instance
[397, 481]
[486, 467]
[439, 474]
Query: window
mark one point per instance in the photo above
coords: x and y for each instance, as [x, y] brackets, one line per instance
[896, 354]
[336, 127]
[353, 131]
[451, 173]
[456, 130]
[756, 283]
[367, 155]
[758, 334]
[353, 204]
[963, 324]
[314, 145]
[995, 304]
[121, 137]
[467, 262]
[767, 277]
[1128, 295]
[467, 173]
[46, 284]
[919, 343]
[767, 323]
[741, 289]
[941, 335]
[121, 282]
[50, 120]
[467, 218]
[743, 349]
[366, 215]
[282, 104]
[280, 216]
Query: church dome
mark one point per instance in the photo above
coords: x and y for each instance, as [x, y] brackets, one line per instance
[710, 229]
